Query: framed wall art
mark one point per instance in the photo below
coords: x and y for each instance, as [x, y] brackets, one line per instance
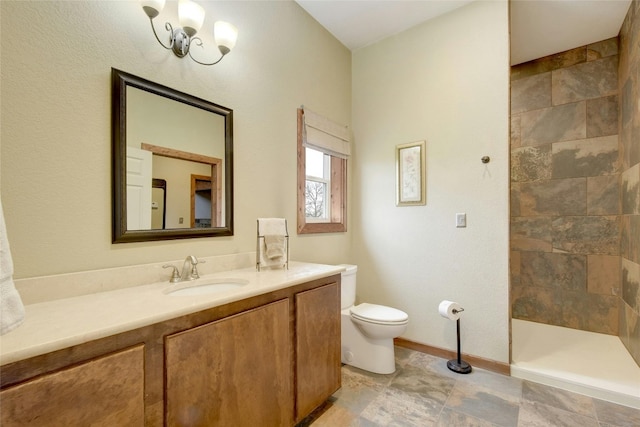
[411, 174]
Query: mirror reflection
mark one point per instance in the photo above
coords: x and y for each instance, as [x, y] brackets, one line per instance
[172, 163]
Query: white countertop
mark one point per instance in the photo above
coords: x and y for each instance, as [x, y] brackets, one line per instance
[57, 324]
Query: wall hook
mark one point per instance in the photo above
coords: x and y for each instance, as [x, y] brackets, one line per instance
[485, 159]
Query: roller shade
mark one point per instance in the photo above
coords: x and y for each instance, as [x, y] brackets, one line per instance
[325, 135]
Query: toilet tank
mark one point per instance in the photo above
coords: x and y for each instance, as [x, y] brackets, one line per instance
[348, 286]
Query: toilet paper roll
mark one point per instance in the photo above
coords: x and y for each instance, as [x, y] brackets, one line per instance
[449, 309]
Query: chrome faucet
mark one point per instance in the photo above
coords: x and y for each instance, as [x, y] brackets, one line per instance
[189, 270]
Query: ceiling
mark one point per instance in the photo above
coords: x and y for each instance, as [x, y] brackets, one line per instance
[538, 27]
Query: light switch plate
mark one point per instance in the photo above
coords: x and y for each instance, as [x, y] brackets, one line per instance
[461, 220]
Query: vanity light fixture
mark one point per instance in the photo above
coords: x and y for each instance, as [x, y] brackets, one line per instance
[191, 17]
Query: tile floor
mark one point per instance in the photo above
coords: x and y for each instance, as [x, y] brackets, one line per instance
[423, 392]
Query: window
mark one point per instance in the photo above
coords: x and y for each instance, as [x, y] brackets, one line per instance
[317, 193]
[322, 174]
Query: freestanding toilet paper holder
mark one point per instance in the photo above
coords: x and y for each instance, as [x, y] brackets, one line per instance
[458, 365]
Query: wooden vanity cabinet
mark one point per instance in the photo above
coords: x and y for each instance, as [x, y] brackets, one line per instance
[107, 391]
[317, 349]
[268, 360]
[232, 372]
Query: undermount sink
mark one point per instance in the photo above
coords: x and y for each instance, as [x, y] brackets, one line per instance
[207, 287]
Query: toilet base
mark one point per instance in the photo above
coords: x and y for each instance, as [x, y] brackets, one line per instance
[373, 355]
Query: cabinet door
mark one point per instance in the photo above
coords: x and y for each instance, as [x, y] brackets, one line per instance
[232, 372]
[108, 391]
[317, 347]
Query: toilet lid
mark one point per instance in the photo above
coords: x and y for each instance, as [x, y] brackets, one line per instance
[378, 313]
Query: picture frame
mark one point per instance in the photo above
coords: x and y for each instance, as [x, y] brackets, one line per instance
[411, 174]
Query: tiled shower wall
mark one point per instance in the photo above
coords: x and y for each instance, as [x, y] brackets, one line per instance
[575, 187]
[629, 89]
[565, 206]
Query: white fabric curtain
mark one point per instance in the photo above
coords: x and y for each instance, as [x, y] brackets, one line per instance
[324, 135]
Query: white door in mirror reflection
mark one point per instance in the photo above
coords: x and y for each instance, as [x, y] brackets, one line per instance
[139, 165]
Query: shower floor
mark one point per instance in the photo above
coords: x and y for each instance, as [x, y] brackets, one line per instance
[596, 365]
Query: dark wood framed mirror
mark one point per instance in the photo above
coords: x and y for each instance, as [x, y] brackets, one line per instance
[159, 133]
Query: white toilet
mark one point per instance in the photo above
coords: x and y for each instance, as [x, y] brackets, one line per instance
[368, 330]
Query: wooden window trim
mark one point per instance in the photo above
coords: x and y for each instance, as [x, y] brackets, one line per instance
[338, 201]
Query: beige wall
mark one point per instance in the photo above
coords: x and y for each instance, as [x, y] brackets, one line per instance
[55, 177]
[446, 82]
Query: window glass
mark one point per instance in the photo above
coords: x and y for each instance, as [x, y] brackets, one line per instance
[314, 163]
[317, 185]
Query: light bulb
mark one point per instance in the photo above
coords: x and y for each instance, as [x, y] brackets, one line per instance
[191, 16]
[152, 7]
[226, 35]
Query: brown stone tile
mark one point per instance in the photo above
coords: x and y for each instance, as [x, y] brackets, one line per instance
[631, 284]
[634, 238]
[535, 414]
[514, 267]
[587, 234]
[554, 124]
[602, 49]
[555, 197]
[535, 304]
[629, 41]
[612, 414]
[397, 407]
[585, 157]
[557, 398]
[631, 191]
[602, 116]
[585, 81]
[603, 195]
[531, 93]
[634, 122]
[531, 234]
[515, 131]
[623, 60]
[514, 199]
[627, 101]
[449, 417]
[634, 146]
[625, 236]
[630, 330]
[603, 274]
[531, 163]
[625, 139]
[571, 309]
[329, 415]
[483, 403]
[597, 313]
[553, 270]
[549, 63]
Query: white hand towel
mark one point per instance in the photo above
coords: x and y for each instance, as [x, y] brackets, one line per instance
[11, 308]
[272, 226]
[273, 242]
[275, 246]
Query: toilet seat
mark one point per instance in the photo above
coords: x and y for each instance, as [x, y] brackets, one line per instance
[379, 314]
